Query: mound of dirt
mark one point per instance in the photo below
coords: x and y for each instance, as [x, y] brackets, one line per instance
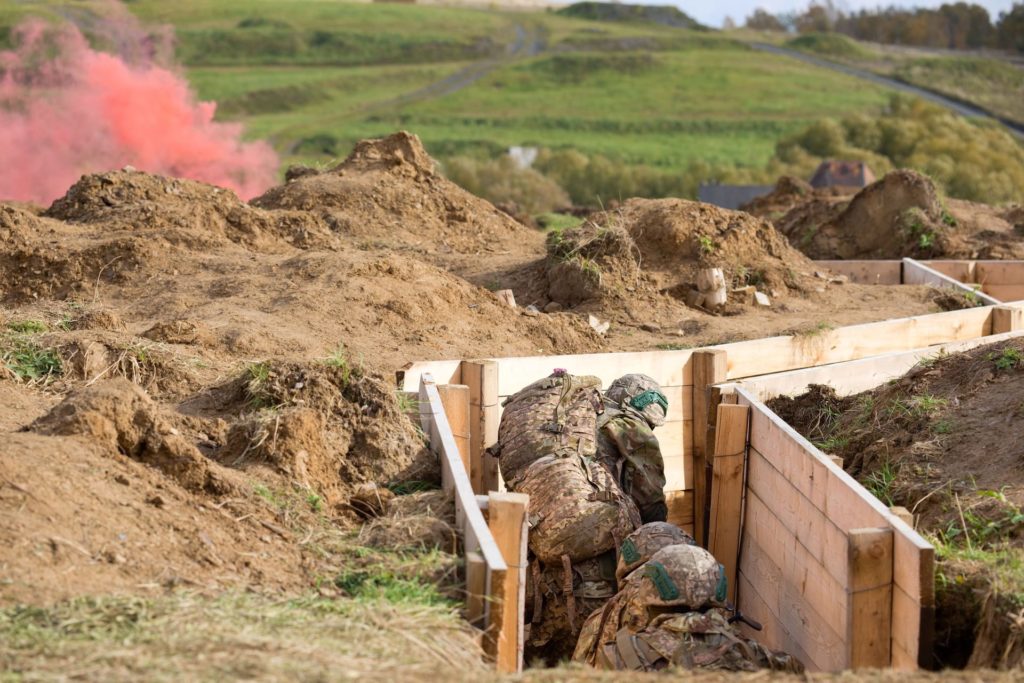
[899, 215]
[649, 248]
[388, 191]
[327, 427]
[788, 191]
[944, 442]
[123, 419]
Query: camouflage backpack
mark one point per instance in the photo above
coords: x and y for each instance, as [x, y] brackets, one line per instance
[576, 508]
[559, 599]
[557, 413]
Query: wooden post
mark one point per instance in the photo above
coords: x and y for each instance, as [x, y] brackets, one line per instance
[1007, 319]
[455, 399]
[869, 598]
[476, 586]
[727, 489]
[709, 368]
[507, 520]
[482, 378]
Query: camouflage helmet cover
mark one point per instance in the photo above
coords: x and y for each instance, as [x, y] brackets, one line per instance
[640, 545]
[642, 394]
[681, 575]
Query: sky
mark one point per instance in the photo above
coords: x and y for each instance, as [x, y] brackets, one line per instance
[713, 13]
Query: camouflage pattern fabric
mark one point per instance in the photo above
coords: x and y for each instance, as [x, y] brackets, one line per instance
[640, 545]
[553, 617]
[639, 393]
[692, 640]
[649, 624]
[554, 414]
[577, 509]
[629, 450]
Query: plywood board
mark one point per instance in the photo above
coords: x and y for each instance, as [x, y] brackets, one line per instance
[917, 273]
[865, 272]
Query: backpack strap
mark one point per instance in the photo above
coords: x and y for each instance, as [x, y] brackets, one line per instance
[570, 597]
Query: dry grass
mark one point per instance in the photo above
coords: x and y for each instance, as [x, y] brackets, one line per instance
[235, 636]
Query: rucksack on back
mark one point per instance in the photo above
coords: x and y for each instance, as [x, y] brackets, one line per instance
[577, 510]
[557, 413]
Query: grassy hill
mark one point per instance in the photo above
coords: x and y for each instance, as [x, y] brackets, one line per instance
[317, 75]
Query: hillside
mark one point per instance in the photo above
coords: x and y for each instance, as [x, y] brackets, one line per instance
[315, 77]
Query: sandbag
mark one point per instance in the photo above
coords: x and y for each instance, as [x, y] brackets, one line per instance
[554, 414]
[576, 508]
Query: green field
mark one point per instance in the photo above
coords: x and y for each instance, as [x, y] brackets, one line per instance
[314, 76]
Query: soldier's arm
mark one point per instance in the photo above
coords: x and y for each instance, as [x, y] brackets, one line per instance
[644, 471]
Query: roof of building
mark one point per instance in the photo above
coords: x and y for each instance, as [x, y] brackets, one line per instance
[833, 173]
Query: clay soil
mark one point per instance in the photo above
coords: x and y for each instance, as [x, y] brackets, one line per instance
[899, 215]
[197, 393]
[944, 441]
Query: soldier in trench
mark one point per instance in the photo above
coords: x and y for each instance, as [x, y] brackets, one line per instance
[626, 445]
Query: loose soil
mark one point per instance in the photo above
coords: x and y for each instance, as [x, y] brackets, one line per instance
[900, 215]
[944, 441]
[196, 392]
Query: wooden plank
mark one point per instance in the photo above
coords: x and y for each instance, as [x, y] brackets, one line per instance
[1000, 272]
[495, 629]
[481, 376]
[917, 273]
[774, 636]
[1007, 319]
[880, 272]
[853, 377]
[782, 593]
[779, 354]
[445, 371]
[672, 437]
[964, 271]
[727, 489]
[455, 401]
[466, 509]
[709, 369]
[476, 586]
[1007, 293]
[680, 507]
[507, 520]
[869, 608]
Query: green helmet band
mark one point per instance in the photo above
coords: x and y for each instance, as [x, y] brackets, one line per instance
[650, 396]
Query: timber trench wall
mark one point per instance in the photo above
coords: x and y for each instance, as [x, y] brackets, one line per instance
[836, 578]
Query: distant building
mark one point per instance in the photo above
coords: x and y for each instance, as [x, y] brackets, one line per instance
[834, 173]
[730, 196]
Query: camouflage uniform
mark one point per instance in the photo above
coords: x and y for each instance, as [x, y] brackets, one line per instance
[670, 613]
[627, 446]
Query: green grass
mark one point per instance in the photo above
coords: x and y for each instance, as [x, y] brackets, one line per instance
[313, 77]
[993, 84]
[28, 359]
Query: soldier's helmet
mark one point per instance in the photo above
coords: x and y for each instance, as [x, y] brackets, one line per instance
[681, 575]
[642, 394]
[641, 545]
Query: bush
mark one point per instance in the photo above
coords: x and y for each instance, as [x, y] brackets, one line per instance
[502, 181]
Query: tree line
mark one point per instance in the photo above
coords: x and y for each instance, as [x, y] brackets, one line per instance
[955, 26]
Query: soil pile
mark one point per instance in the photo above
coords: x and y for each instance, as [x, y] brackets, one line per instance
[650, 249]
[388, 192]
[899, 215]
[944, 442]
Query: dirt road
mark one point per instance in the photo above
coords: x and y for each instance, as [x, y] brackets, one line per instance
[961, 108]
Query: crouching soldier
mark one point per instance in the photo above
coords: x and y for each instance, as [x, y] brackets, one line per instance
[627, 446]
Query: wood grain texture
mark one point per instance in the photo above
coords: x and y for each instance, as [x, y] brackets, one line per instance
[727, 489]
[869, 608]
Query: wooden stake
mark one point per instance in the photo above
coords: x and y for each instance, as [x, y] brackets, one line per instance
[709, 368]
[482, 378]
[904, 514]
[869, 598]
[455, 399]
[1007, 319]
[727, 489]
[507, 520]
[476, 585]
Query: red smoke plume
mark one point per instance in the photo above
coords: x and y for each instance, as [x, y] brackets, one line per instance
[66, 109]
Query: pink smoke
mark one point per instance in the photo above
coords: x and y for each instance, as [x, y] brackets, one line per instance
[66, 109]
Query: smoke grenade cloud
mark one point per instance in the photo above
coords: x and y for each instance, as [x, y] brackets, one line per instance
[67, 109]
